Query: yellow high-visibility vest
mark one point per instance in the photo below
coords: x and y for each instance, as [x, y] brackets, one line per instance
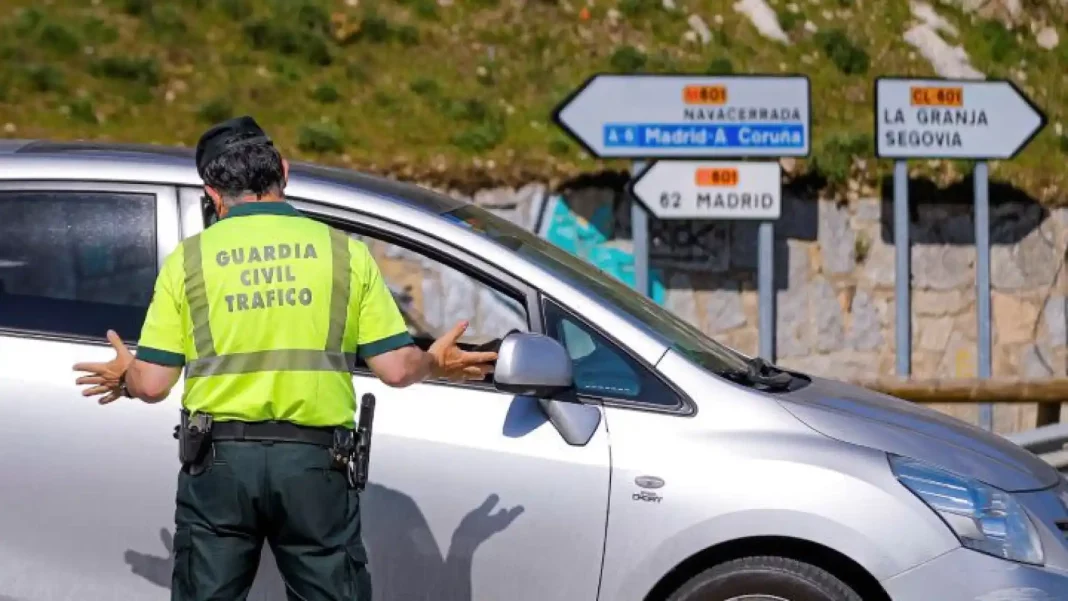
[267, 310]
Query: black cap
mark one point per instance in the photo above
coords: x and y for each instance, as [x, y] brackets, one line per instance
[225, 136]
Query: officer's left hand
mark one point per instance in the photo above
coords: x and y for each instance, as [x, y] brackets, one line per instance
[105, 378]
[455, 364]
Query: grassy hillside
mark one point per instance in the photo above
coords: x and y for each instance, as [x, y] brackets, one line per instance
[460, 91]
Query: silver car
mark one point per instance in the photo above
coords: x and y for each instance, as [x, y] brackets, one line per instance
[618, 453]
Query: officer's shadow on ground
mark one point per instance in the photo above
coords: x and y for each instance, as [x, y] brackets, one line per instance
[404, 559]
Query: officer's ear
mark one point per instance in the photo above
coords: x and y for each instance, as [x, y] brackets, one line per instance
[216, 200]
[285, 171]
[213, 194]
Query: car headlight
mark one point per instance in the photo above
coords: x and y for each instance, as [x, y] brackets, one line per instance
[984, 518]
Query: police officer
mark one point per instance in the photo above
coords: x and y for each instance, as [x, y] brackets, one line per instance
[265, 311]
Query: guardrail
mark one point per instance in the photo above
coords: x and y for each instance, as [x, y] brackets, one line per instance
[1048, 442]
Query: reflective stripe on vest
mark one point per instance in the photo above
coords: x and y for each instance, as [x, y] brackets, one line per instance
[331, 358]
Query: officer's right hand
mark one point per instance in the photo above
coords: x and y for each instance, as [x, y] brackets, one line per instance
[455, 364]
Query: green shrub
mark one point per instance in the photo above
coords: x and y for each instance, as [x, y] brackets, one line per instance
[27, 20]
[215, 110]
[46, 78]
[317, 52]
[375, 28]
[99, 31]
[559, 147]
[634, 8]
[425, 86]
[662, 62]
[720, 66]
[627, 59]
[82, 110]
[137, 8]
[425, 9]
[265, 34]
[407, 35]
[326, 93]
[286, 38]
[321, 138]
[788, 20]
[861, 247]
[59, 38]
[471, 109]
[1063, 143]
[144, 70]
[384, 99]
[167, 19]
[235, 9]
[357, 72]
[849, 58]
[313, 17]
[834, 158]
[481, 137]
[140, 95]
[1000, 42]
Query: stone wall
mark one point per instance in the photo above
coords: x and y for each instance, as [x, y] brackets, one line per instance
[835, 280]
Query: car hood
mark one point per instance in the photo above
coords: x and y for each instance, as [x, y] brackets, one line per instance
[864, 417]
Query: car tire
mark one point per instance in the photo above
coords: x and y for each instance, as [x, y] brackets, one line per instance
[764, 579]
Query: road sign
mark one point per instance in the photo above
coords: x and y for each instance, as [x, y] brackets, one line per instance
[710, 190]
[653, 116]
[952, 119]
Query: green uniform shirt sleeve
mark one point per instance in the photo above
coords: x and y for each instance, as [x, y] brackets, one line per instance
[380, 324]
[163, 336]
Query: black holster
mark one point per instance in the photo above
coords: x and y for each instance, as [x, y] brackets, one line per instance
[194, 442]
[362, 461]
[352, 449]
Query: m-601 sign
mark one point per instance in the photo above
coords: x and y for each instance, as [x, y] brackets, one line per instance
[710, 190]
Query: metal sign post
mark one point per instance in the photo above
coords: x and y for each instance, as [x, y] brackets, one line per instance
[697, 117]
[766, 289]
[902, 279]
[951, 119]
[639, 227]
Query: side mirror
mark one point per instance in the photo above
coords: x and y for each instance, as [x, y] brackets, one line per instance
[532, 365]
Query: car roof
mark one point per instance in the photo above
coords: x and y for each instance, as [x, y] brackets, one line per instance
[182, 158]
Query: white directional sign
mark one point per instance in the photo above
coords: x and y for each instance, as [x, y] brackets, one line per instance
[651, 116]
[710, 190]
[952, 119]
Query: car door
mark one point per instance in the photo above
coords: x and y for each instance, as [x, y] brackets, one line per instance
[87, 489]
[473, 493]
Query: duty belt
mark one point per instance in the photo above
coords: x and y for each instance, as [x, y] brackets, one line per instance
[274, 431]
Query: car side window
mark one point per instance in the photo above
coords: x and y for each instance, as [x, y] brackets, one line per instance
[76, 263]
[600, 367]
[434, 296]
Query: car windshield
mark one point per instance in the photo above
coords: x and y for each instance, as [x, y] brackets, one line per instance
[684, 337]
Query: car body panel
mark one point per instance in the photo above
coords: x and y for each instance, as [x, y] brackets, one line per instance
[461, 474]
[744, 467]
[965, 575]
[88, 489]
[868, 418]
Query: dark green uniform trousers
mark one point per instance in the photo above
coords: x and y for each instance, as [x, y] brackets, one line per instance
[284, 493]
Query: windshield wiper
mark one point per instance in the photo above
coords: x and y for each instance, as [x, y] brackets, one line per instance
[760, 372]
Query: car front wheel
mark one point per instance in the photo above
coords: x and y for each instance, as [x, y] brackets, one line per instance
[764, 579]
